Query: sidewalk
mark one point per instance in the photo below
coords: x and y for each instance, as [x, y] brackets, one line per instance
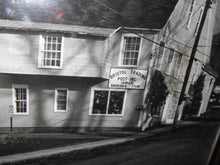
[131, 136]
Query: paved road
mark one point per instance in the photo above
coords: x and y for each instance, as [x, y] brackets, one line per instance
[189, 146]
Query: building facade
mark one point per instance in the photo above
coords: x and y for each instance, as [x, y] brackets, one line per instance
[172, 56]
[61, 75]
[79, 78]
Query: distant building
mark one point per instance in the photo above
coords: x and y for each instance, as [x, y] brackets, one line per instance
[179, 34]
[82, 64]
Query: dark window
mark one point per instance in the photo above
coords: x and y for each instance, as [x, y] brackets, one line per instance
[108, 102]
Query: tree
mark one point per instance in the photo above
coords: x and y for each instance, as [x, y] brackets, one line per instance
[215, 58]
[195, 93]
[157, 93]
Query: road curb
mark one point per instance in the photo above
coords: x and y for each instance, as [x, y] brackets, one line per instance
[16, 158]
[47, 153]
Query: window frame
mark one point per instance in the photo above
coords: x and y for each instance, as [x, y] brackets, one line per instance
[56, 97]
[190, 14]
[198, 21]
[41, 50]
[17, 86]
[170, 63]
[108, 100]
[179, 59]
[120, 61]
[159, 57]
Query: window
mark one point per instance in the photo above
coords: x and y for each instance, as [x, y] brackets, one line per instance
[178, 64]
[179, 59]
[160, 55]
[170, 60]
[20, 99]
[130, 50]
[198, 22]
[107, 102]
[61, 96]
[195, 72]
[190, 14]
[50, 51]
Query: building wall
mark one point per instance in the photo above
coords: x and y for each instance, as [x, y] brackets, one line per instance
[42, 98]
[82, 56]
[19, 54]
[86, 66]
[181, 38]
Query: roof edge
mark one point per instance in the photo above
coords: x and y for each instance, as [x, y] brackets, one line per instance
[208, 69]
[64, 28]
[50, 27]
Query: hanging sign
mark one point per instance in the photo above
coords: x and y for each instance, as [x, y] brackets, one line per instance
[127, 78]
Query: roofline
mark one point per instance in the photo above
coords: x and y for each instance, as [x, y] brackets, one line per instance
[49, 27]
[141, 30]
[208, 69]
[64, 28]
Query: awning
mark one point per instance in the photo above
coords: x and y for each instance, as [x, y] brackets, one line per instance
[208, 68]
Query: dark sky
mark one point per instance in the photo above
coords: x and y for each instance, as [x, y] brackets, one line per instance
[97, 13]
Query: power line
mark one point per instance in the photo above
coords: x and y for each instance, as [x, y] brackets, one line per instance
[127, 29]
[183, 27]
[116, 12]
[190, 64]
[131, 31]
[186, 21]
[154, 41]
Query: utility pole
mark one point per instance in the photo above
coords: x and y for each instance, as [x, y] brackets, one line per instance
[195, 45]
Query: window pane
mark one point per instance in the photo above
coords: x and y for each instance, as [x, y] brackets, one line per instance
[100, 102]
[54, 39]
[161, 48]
[59, 39]
[179, 60]
[47, 62]
[53, 62]
[58, 55]
[49, 39]
[135, 62]
[59, 47]
[54, 47]
[58, 63]
[61, 105]
[49, 46]
[53, 55]
[170, 58]
[23, 106]
[23, 94]
[116, 102]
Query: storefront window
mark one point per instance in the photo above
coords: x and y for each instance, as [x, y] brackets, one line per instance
[100, 102]
[108, 102]
[116, 102]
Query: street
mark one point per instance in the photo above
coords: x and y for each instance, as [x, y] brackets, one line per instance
[189, 145]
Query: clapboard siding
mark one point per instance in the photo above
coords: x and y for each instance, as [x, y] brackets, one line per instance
[41, 103]
[81, 57]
